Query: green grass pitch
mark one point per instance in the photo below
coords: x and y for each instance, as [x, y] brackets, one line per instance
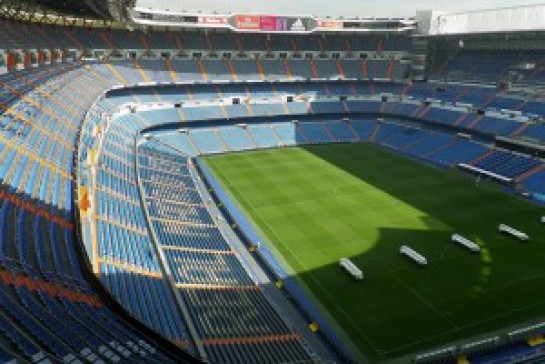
[317, 204]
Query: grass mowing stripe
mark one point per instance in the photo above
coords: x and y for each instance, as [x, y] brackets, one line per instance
[319, 203]
[270, 231]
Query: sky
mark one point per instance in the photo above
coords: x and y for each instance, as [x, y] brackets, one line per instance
[334, 8]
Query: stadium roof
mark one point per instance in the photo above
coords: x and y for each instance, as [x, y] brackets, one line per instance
[92, 9]
[528, 18]
[86, 8]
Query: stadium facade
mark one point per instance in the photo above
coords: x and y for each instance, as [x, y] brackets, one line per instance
[118, 243]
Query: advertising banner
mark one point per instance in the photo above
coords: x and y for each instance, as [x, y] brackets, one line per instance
[281, 24]
[273, 23]
[330, 24]
[248, 22]
[297, 24]
[268, 23]
[213, 19]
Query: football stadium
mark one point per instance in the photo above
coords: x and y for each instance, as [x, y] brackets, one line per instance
[191, 182]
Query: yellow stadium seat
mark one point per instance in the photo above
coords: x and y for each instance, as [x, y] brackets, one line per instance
[462, 359]
[536, 340]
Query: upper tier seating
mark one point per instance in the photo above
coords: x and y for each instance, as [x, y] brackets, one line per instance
[35, 36]
[495, 64]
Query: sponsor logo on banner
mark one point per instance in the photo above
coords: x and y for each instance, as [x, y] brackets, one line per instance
[281, 24]
[274, 23]
[268, 22]
[330, 24]
[296, 25]
[248, 22]
[213, 19]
